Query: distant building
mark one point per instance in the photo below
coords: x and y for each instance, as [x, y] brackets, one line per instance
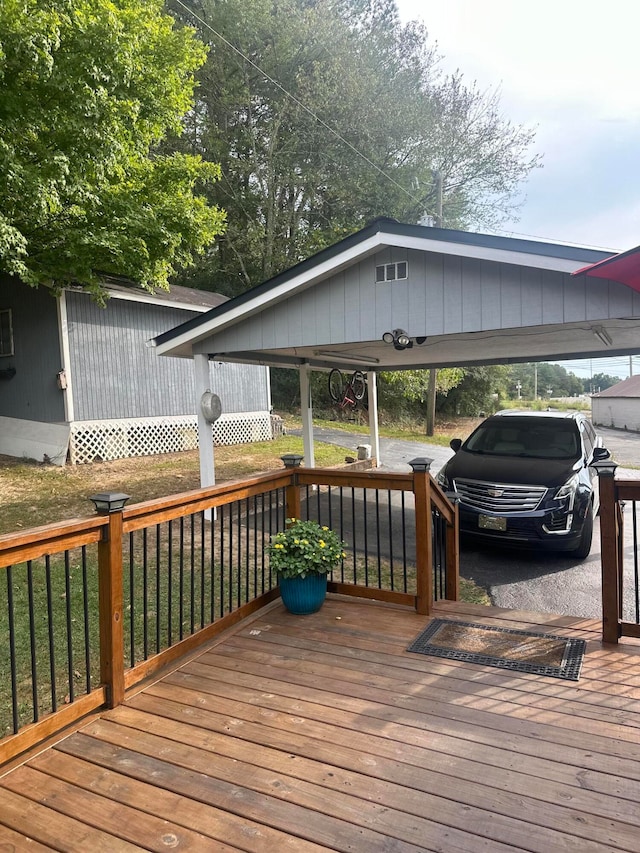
[78, 382]
[618, 406]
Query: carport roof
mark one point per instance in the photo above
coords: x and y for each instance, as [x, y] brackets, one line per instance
[238, 329]
[391, 232]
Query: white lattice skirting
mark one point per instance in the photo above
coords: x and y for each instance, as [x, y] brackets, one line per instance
[92, 441]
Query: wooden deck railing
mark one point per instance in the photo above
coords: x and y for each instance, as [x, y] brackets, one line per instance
[619, 504]
[93, 606]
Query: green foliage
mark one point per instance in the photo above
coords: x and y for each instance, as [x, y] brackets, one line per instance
[599, 382]
[479, 391]
[543, 380]
[88, 88]
[327, 114]
[414, 384]
[305, 548]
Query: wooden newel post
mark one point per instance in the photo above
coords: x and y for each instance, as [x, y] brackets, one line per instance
[110, 596]
[610, 531]
[293, 460]
[452, 579]
[424, 541]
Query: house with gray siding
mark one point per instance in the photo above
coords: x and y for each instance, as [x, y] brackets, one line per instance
[79, 382]
[618, 407]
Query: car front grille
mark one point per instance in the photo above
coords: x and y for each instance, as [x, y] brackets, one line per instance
[499, 498]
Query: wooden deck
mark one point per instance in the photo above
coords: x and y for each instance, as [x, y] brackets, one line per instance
[322, 732]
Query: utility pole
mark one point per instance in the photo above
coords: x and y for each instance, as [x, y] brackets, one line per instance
[535, 381]
[431, 391]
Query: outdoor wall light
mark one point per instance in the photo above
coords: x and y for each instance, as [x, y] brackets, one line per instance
[107, 502]
[399, 338]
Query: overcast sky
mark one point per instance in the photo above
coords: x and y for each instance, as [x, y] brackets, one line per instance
[570, 69]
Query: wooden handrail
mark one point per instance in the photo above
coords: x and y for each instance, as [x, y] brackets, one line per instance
[50, 539]
[152, 512]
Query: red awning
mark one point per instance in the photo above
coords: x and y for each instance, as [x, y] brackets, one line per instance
[624, 268]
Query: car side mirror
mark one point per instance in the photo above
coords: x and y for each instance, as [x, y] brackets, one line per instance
[600, 453]
[455, 444]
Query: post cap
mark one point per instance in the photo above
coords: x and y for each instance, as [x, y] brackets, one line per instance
[421, 463]
[107, 502]
[292, 460]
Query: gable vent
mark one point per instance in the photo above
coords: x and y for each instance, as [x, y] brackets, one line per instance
[392, 272]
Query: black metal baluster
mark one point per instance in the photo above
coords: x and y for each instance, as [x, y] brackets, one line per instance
[255, 546]
[145, 592]
[378, 538]
[12, 650]
[392, 582]
[365, 532]
[33, 644]
[67, 586]
[169, 584]
[247, 550]
[262, 539]
[404, 541]
[353, 527]
[192, 566]
[635, 564]
[214, 520]
[202, 567]
[132, 600]
[222, 565]
[341, 534]
[87, 632]
[158, 584]
[52, 650]
[180, 580]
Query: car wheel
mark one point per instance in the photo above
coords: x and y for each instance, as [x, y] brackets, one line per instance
[584, 548]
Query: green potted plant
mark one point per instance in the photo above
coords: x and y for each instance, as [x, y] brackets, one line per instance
[302, 555]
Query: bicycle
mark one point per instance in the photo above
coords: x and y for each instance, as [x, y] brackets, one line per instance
[347, 392]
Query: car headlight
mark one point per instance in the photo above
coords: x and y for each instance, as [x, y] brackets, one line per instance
[441, 478]
[567, 493]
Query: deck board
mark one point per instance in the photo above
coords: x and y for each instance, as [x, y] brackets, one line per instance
[322, 733]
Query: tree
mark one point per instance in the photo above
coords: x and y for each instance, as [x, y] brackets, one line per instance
[326, 114]
[479, 391]
[599, 382]
[88, 90]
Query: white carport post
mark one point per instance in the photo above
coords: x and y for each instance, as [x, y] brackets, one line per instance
[306, 409]
[205, 429]
[372, 390]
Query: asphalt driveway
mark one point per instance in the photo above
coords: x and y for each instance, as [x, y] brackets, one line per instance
[523, 580]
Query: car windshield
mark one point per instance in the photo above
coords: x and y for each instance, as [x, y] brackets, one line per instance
[526, 438]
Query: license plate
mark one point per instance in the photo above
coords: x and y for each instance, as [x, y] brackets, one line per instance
[492, 522]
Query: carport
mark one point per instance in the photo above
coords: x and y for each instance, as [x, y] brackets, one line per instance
[394, 297]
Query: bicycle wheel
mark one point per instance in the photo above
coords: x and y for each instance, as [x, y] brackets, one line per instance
[359, 384]
[336, 385]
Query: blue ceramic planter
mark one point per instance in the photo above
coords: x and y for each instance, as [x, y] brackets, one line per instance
[303, 595]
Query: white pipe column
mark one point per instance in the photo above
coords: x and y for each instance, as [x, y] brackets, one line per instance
[205, 429]
[306, 410]
[372, 390]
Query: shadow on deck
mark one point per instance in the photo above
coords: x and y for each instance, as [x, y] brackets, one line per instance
[322, 732]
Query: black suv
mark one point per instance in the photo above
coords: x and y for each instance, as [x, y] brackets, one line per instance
[523, 478]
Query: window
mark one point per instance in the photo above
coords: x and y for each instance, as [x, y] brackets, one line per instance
[6, 332]
[392, 272]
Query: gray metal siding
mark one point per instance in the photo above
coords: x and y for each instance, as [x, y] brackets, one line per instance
[115, 375]
[443, 295]
[33, 393]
